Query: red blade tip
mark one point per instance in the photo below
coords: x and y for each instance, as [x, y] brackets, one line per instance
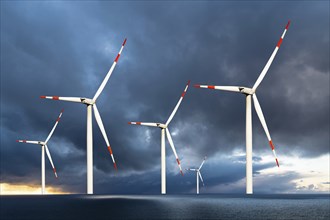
[124, 42]
[188, 82]
[115, 166]
[54, 169]
[197, 86]
[129, 123]
[277, 162]
[42, 97]
[181, 172]
[287, 26]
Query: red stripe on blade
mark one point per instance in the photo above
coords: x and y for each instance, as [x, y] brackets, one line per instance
[42, 97]
[210, 87]
[177, 160]
[129, 123]
[56, 98]
[24, 141]
[271, 144]
[116, 60]
[138, 123]
[279, 43]
[109, 149]
[183, 94]
[58, 119]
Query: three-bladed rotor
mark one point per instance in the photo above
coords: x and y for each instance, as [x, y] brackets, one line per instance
[165, 126]
[92, 102]
[252, 91]
[44, 143]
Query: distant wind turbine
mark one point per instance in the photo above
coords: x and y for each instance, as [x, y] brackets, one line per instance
[92, 103]
[164, 129]
[198, 174]
[248, 92]
[44, 147]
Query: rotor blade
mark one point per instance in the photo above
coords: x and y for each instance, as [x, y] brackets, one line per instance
[100, 89]
[202, 163]
[200, 176]
[28, 142]
[50, 160]
[178, 104]
[264, 125]
[169, 138]
[269, 62]
[52, 131]
[145, 124]
[224, 88]
[69, 99]
[100, 124]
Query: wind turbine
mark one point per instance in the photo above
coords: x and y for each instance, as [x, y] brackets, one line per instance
[44, 147]
[198, 174]
[164, 128]
[251, 92]
[91, 103]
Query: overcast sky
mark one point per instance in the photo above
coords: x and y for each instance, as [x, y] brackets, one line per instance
[66, 48]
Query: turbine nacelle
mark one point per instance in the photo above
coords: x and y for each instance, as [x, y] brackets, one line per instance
[87, 101]
[162, 126]
[195, 170]
[246, 90]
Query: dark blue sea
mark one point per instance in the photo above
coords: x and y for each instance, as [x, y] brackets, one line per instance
[309, 207]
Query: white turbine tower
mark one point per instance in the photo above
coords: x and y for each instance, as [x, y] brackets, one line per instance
[198, 174]
[164, 128]
[44, 147]
[251, 92]
[92, 103]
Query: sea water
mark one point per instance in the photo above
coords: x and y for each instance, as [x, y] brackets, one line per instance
[309, 207]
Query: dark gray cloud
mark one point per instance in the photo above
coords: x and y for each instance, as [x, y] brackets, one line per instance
[66, 48]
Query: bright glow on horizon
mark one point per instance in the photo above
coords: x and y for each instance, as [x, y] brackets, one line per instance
[305, 175]
[313, 172]
[22, 189]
